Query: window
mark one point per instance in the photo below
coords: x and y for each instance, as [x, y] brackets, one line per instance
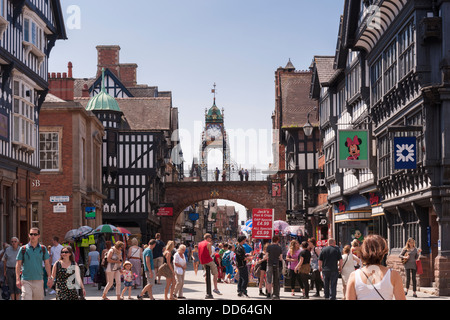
[49, 153]
[406, 50]
[384, 167]
[32, 33]
[416, 120]
[24, 127]
[353, 81]
[330, 167]
[396, 232]
[376, 81]
[390, 67]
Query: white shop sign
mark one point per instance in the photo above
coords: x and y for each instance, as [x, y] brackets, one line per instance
[59, 199]
[59, 208]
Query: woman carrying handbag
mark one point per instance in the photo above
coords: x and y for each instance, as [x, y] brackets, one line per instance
[410, 254]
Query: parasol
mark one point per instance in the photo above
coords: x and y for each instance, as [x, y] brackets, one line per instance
[83, 231]
[248, 226]
[70, 235]
[106, 228]
[124, 231]
[280, 225]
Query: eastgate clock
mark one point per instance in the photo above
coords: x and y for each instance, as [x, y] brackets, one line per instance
[213, 132]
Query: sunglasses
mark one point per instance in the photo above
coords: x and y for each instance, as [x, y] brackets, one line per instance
[65, 252]
[34, 234]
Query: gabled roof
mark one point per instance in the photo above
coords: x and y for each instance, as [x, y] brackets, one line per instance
[98, 83]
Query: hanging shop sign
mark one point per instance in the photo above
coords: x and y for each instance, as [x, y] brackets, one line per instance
[405, 153]
[89, 212]
[165, 210]
[353, 149]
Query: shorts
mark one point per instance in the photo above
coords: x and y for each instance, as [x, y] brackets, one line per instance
[150, 280]
[269, 273]
[128, 283]
[212, 265]
[158, 262]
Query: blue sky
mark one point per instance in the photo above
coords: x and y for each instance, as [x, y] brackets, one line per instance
[187, 46]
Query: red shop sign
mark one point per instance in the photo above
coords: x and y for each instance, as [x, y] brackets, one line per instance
[262, 223]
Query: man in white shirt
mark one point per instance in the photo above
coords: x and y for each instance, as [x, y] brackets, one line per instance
[55, 252]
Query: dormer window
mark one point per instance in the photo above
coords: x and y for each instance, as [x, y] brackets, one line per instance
[33, 35]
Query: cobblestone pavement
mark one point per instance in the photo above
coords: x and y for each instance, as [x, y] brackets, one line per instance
[195, 289]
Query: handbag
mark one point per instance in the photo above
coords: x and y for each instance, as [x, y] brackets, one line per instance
[419, 267]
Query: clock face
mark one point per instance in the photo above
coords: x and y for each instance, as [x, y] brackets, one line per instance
[213, 132]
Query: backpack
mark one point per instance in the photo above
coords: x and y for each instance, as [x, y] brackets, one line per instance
[226, 261]
[24, 250]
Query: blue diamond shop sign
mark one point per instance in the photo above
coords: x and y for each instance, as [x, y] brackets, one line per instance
[405, 153]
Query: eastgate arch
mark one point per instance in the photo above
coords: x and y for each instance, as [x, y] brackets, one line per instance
[251, 194]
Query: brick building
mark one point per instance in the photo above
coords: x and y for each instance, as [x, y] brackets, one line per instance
[70, 161]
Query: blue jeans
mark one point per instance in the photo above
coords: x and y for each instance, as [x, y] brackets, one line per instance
[330, 279]
[93, 271]
[243, 279]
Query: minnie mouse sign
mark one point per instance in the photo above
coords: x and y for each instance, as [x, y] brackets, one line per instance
[353, 149]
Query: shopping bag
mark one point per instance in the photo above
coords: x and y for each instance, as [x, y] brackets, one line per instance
[419, 267]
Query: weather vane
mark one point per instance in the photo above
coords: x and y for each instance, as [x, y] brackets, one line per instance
[214, 91]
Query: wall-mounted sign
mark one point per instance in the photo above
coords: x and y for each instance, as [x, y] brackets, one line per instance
[353, 149]
[59, 199]
[405, 153]
[59, 208]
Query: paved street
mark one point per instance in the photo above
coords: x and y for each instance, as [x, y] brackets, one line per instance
[194, 289]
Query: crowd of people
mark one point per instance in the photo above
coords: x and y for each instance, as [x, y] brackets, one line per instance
[32, 270]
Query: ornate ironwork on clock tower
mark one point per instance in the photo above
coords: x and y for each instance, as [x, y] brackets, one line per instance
[214, 136]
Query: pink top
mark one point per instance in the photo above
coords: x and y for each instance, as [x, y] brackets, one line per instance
[293, 264]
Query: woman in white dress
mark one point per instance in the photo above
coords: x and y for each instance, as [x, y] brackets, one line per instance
[348, 266]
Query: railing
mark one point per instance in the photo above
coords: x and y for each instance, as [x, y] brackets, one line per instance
[253, 175]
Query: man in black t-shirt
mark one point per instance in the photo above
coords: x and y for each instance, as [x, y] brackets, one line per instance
[330, 264]
[274, 255]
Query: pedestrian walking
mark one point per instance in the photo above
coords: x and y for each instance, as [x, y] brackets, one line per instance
[113, 269]
[330, 264]
[158, 258]
[374, 281]
[149, 268]
[292, 257]
[166, 270]
[356, 250]
[246, 175]
[348, 266]
[261, 261]
[303, 268]
[274, 255]
[241, 260]
[241, 175]
[409, 255]
[195, 259]
[179, 263]
[66, 274]
[55, 254]
[316, 279]
[9, 268]
[128, 278]
[205, 255]
[224, 175]
[134, 255]
[93, 262]
[29, 271]
[227, 262]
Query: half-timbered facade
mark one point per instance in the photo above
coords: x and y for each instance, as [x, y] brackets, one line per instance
[400, 48]
[138, 146]
[28, 32]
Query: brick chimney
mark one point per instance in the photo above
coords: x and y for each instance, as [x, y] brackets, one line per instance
[62, 86]
[128, 74]
[108, 58]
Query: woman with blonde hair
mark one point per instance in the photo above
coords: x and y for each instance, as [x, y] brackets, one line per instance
[166, 270]
[292, 257]
[135, 257]
[348, 266]
[374, 281]
[113, 269]
[410, 254]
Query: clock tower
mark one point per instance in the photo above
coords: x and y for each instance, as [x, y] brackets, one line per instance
[214, 136]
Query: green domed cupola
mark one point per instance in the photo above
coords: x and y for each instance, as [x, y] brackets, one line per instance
[103, 101]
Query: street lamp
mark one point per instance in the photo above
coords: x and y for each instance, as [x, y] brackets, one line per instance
[308, 128]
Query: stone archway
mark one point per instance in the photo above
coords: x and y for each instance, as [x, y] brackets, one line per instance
[251, 194]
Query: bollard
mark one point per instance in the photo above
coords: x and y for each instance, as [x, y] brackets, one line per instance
[208, 283]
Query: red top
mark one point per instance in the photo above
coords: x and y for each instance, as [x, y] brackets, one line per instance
[203, 253]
